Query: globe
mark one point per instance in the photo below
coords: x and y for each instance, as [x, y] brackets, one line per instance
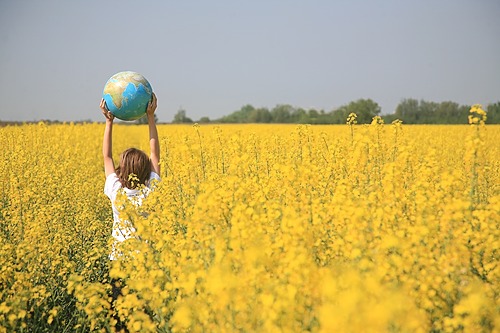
[127, 95]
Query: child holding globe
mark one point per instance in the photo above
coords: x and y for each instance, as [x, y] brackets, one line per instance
[135, 175]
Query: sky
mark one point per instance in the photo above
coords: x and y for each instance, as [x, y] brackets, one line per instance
[210, 58]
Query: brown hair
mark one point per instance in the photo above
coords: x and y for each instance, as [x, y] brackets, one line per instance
[133, 162]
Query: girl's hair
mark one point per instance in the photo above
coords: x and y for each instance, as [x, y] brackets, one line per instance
[133, 162]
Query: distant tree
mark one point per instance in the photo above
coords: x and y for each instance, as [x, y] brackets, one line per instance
[389, 118]
[446, 111]
[281, 113]
[339, 115]
[204, 120]
[180, 117]
[493, 113]
[407, 111]
[240, 116]
[427, 112]
[451, 113]
[411, 111]
[324, 118]
[261, 115]
[313, 116]
[299, 116]
[365, 109]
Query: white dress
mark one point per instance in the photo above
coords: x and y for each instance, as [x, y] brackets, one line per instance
[123, 230]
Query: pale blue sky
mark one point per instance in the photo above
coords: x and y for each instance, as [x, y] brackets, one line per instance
[212, 57]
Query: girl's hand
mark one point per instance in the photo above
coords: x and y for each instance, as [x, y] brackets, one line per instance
[152, 105]
[109, 116]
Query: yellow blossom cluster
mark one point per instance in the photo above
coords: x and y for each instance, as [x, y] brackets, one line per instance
[256, 228]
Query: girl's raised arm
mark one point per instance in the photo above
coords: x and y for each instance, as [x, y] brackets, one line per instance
[107, 142]
[154, 143]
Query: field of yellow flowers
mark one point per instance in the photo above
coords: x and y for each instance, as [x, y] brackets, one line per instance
[256, 228]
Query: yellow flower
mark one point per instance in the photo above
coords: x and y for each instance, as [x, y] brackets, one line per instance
[256, 228]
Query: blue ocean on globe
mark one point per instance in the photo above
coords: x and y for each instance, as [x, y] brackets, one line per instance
[127, 95]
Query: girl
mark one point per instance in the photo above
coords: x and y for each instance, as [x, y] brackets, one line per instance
[135, 169]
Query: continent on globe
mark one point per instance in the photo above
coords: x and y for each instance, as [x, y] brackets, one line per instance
[127, 95]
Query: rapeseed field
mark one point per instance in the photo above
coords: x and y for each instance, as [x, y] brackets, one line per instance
[256, 228]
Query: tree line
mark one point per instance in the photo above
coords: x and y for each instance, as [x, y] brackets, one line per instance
[410, 111]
